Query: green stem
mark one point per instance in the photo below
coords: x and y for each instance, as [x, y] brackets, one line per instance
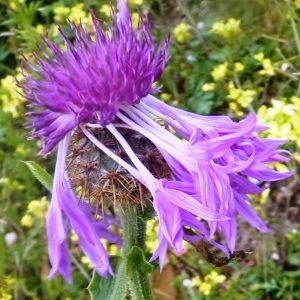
[134, 233]
[296, 35]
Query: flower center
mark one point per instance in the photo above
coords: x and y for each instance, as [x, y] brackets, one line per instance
[97, 178]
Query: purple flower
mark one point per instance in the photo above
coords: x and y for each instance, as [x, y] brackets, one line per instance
[105, 85]
[89, 81]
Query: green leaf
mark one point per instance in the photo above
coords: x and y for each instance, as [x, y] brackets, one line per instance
[136, 259]
[113, 287]
[41, 174]
[294, 259]
[138, 279]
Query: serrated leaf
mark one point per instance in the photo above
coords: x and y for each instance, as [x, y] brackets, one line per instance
[138, 279]
[113, 287]
[137, 259]
[41, 174]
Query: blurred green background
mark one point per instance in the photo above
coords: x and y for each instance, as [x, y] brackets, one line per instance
[226, 57]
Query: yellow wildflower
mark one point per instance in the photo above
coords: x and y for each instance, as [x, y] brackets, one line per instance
[40, 29]
[38, 208]
[265, 196]
[5, 296]
[73, 236]
[182, 32]
[113, 249]
[196, 281]
[268, 68]
[236, 109]
[27, 221]
[10, 99]
[283, 120]
[229, 29]
[208, 87]
[79, 14]
[242, 97]
[266, 63]
[76, 13]
[105, 9]
[166, 97]
[85, 260]
[297, 4]
[215, 278]
[36, 211]
[135, 2]
[135, 19]
[238, 67]
[210, 280]
[151, 241]
[219, 71]
[259, 56]
[205, 288]
[61, 13]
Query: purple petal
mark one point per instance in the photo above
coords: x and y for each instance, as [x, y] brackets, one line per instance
[58, 251]
[161, 250]
[81, 219]
[186, 202]
[249, 214]
[170, 223]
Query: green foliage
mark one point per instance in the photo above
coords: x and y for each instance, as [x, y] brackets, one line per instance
[128, 272]
[113, 288]
[293, 255]
[41, 174]
[266, 280]
[224, 59]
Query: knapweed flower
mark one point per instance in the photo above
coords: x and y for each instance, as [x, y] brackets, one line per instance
[93, 101]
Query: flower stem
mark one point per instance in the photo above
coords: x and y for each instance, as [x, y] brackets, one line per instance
[134, 233]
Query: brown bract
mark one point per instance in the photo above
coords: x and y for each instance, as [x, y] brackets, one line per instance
[100, 180]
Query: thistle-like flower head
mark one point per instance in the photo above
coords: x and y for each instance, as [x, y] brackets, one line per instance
[93, 101]
[89, 81]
